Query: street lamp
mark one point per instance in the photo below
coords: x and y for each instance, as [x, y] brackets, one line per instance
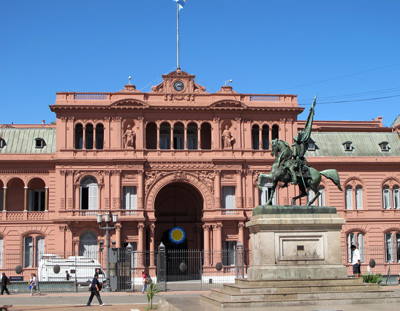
[107, 219]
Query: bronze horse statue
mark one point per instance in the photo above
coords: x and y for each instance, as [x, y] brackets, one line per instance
[307, 177]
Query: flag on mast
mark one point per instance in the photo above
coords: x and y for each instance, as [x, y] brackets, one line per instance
[181, 3]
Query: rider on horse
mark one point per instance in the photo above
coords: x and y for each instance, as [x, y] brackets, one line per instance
[300, 146]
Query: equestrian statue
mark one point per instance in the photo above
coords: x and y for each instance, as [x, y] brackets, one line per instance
[290, 165]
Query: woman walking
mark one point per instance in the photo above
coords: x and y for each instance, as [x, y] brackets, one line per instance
[33, 284]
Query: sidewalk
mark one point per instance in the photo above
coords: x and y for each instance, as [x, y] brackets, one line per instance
[121, 301]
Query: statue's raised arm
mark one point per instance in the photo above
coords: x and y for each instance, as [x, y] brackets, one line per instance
[302, 137]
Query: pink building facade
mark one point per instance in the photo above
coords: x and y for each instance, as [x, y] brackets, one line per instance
[180, 156]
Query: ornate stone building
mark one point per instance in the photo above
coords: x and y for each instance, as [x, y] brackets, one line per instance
[180, 156]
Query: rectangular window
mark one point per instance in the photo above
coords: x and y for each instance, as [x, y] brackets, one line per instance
[396, 197]
[359, 200]
[130, 197]
[321, 198]
[349, 198]
[36, 200]
[351, 240]
[398, 247]
[228, 197]
[360, 245]
[386, 198]
[310, 196]
[28, 252]
[228, 253]
[265, 192]
[39, 249]
[389, 247]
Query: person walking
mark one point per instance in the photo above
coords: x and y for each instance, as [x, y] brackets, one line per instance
[144, 276]
[356, 261]
[33, 284]
[95, 290]
[4, 282]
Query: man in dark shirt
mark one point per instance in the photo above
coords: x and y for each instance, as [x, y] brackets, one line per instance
[95, 290]
[4, 282]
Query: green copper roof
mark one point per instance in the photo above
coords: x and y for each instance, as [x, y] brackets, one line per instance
[23, 140]
[396, 121]
[363, 144]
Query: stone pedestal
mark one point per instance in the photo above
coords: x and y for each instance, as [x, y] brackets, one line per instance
[295, 242]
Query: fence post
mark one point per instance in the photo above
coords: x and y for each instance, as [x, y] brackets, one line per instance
[161, 266]
[239, 261]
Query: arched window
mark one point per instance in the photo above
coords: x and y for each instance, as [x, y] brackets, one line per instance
[392, 246]
[354, 197]
[349, 197]
[88, 245]
[179, 130]
[275, 132]
[78, 136]
[265, 137]
[357, 239]
[255, 137]
[34, 249]
[206, 136]
[89, 136]
[165, 136]
[37, 195]
[89, 193]
[192, 134]
[151, 136]
[99, 136]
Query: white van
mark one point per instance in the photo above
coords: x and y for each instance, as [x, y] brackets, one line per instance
[80, 269]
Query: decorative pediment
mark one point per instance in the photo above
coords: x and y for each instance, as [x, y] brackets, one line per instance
[228, 104]
[129, 103]
[178, 82]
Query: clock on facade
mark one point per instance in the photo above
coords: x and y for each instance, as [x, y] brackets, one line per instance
[178, 86]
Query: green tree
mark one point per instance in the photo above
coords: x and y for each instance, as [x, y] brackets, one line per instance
[152, 290]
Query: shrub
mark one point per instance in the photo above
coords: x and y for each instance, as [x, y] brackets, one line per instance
[373, 278]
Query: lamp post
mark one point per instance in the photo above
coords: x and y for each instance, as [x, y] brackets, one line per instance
[107, 220]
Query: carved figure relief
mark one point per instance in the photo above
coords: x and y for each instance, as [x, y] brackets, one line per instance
[129, 137]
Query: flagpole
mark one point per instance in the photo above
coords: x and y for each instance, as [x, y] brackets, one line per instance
[177, 35]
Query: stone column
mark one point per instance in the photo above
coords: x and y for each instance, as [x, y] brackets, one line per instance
[158, 136]
[84, 136]
[152, 244]
[199, 137]
[217, 189]
[118, 235]
[206, 232]
[171, 138]
[239, 187]
[46, 200]
[94, 137]
[4, 199]
[260, 137]
[216, 133]
[25, 198]
[241, 232]
[217, 233]
[140, 192]
[185, 142]
[140, 143]
[140, 247]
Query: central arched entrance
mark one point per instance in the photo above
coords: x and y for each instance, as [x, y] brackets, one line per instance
[180, 204]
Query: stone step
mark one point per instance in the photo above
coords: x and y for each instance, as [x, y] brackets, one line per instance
[227, 296]
[289, 282]
[221, 303]
[233, 288]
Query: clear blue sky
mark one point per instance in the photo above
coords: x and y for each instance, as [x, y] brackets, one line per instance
[344, 50]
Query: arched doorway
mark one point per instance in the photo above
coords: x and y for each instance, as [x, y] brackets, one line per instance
[180, 205]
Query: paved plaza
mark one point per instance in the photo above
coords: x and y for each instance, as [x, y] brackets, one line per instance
[128, 301]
